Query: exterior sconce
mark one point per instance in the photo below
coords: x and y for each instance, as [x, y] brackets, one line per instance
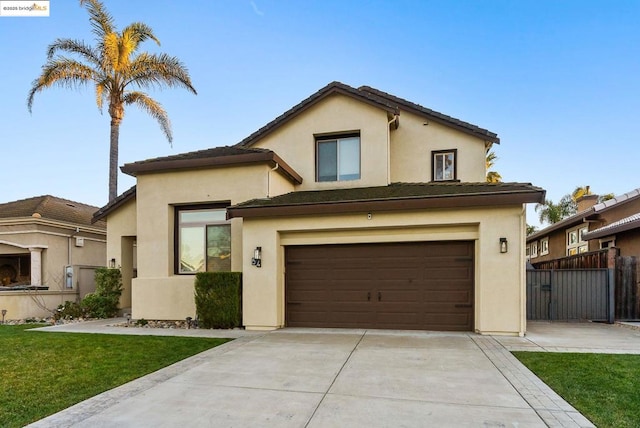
[257, 257]
[112, 263]
[504, 247]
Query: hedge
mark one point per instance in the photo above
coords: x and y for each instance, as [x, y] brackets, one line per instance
[218, 298]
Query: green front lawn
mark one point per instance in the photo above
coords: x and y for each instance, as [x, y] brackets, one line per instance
[42, 373]
[603, 387]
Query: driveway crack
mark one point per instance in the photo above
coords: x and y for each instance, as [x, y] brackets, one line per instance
[334, 379]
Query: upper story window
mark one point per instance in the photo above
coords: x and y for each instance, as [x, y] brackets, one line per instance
[544, 246]
[338, 158]
[575, 241]
[533, 253]
[443, 165]
[203, 240]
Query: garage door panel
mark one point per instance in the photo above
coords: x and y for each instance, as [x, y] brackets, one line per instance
[425, 285]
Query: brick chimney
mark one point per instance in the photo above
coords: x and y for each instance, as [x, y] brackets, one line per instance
[587, 201]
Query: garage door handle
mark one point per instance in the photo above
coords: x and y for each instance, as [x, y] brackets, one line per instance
[463, 305]
[369, 296]
[379, 296]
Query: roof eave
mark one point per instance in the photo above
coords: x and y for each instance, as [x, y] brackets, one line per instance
[114, 205]
[612, 231]
[331, 89]
[394, 204]
[134, 169]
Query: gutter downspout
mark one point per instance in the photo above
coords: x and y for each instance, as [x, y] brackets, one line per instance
[269, 179]
[395, 119]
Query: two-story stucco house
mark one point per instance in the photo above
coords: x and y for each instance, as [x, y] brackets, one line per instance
[354, 208]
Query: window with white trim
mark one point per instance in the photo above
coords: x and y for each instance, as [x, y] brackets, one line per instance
[338, 158]
[203, 240]
[576, 244]
[443, 165]
[544, 246]
[608, 242]
[534, 249]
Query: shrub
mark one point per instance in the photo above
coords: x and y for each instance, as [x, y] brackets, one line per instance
[218, 298]
[68, 311]
[104, 302]
[99, 306]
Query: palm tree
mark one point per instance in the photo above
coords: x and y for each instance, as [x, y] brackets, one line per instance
[581, 191]
[492, 176]
[115, 67]
[553, 213]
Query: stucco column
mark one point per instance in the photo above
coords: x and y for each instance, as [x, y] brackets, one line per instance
[36, 266]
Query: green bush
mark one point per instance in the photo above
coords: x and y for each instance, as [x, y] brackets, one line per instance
[98, 306]
[218, 298]
[104, 302]
[68, 311]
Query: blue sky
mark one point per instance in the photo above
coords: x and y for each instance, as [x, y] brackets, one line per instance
[559, 81]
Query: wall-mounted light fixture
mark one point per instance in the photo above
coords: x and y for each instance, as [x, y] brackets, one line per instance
[504, 245]
[257, 257]
[112, 263]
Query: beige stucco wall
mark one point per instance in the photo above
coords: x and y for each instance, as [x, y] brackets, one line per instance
[157, 292]
[121, 234]
[57, 241]
[295, 143]
[413, 142]
[499, 278]
[33, 304]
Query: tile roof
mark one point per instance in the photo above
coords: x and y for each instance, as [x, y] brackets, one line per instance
[211, 158]
[51, 208]
[112, 205]
[622, 225]
[383, 100]
[594, 210]
[406, 195]
[222, 151]
[443, 118]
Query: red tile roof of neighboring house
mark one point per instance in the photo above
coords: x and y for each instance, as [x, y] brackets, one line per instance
[51, 208]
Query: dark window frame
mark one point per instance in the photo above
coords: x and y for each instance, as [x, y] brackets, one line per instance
[176, 228]
[434, 153]
[319, 138]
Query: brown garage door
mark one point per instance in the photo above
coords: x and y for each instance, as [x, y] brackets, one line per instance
[422, 286]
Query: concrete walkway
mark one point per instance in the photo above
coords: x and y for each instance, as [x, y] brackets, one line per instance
[329, 378]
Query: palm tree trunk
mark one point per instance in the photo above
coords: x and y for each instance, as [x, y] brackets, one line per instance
[113, 159]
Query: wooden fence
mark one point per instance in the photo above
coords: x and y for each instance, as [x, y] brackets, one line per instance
[625, 279]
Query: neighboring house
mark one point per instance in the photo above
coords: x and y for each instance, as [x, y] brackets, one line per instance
[354, 208]
[49, 248]
[596, 226]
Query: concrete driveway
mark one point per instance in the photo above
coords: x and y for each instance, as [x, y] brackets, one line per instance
[334, 378]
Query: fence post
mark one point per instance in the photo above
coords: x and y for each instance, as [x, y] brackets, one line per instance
[611, 289]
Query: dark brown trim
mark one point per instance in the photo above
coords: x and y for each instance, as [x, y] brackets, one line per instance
[319, 138]
[176, 227]
[455, 164]
[115, 204]
[399, 204]
[330, 89]
[211, 162]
